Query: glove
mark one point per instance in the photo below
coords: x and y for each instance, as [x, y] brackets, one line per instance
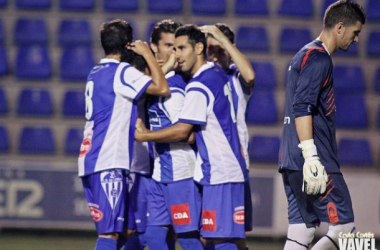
[314, 173]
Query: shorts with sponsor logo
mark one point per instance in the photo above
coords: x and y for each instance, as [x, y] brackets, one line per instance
[107, 195]
[248, 206]
[138, 201]
[334, 206]
[177, 203]
[223, 211]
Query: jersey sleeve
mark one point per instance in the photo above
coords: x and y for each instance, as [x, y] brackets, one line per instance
[313, 73]
[172, 106]
[195, 106]
[129, 82]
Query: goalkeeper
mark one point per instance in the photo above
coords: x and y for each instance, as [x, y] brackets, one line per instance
[314, 185]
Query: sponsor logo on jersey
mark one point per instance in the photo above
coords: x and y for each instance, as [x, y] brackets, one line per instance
[180, 214]
[239, 217]
[357, 241]
[154, 119]
[209, 220]
[112, 185]
[96, 214]
[85, 147]
[332, 212]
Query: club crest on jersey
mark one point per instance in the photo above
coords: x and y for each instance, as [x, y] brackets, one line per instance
[180, 214]
[112, 185]
[209, 220]
[96, 214]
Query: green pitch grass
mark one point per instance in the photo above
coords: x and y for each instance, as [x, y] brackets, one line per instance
[79, 240]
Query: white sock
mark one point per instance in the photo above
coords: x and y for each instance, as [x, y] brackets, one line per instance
[299, 237]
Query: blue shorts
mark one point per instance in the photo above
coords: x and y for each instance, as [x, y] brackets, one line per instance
[138, 201]
[223, 211]
[248, 206]
[334, 206]
[177, 203]
[107, 195]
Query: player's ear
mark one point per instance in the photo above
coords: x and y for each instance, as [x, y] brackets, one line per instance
[199, 47]
[154, 48]
[339, 27]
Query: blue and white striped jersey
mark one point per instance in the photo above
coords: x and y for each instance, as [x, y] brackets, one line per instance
[111, 92]
[173, 161]
[241, 100]
[209, 106]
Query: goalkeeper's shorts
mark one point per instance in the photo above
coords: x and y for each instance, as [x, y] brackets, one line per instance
[334, 206]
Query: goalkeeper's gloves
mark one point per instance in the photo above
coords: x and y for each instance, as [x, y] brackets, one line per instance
[314, 174]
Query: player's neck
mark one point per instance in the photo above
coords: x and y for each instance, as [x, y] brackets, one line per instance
[197, 66]
[116, 57]
[329, 40]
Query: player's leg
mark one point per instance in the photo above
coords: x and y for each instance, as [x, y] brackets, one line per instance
[107, 193]
[335, 207]
[223, 215]
[158, 217]
[138, 211]
[302, 218]
[241, 243]
[330, 240]
[183, 199]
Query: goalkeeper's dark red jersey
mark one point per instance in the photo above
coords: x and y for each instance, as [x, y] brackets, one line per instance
[309, 91]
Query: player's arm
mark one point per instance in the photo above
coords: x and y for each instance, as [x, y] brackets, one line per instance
[159, 86]
[312, 76]
[247, 73]
[178, 132]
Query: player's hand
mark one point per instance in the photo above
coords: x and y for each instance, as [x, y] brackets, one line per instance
[140, 129]
[314, 173]
[214, 32]
[139, 47]
[170, 64]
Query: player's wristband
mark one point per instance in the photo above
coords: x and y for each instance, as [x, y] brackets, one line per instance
[308, 149]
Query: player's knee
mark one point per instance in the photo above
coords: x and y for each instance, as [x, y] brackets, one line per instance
[301, 234]
[336, 229]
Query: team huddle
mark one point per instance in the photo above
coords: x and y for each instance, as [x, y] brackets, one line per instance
[165, 151]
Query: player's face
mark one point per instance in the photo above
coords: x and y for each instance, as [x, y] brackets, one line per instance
[349, 35]
[165, 47]
[184, 54]
[216, 53]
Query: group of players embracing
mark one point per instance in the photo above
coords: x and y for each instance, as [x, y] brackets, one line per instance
[165, 151]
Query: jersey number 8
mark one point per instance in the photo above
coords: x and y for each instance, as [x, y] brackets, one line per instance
[88, 94]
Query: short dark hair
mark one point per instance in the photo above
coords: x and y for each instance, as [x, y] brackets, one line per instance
[344, 11]
[164, 26]
[226, 31]
[115, 35]
[194, 35]
[134, 59]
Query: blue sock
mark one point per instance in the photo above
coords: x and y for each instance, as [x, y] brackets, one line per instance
[171, 244]
[156, 237]
[105, 244]
[132, 243]
[121, 241]
[226, 245]
[246, 248]
[142, 240]
[210, 246]
[190, 241]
